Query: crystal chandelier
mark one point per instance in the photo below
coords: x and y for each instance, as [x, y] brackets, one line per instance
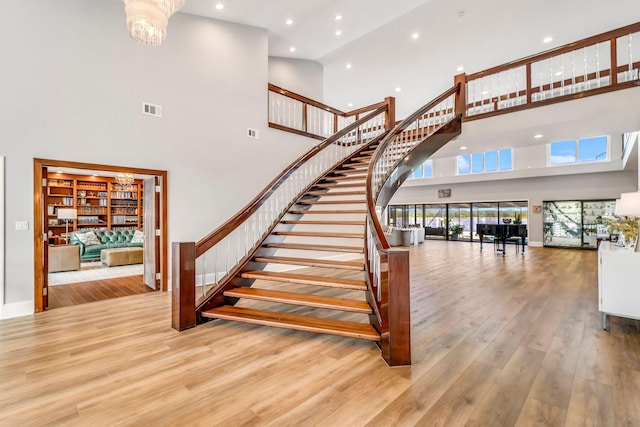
[124, 178]
[147, 20]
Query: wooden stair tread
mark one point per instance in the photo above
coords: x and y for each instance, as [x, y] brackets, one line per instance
[345, 178]
[311, 247]
[320, 222]
[354, 166]
[336, 193]
[311, 262]
[294, 321]
[320, 234]
[306, 279]
[332, 202]
[340, 185]
[328, 211]
[293, 298]
[349, 171]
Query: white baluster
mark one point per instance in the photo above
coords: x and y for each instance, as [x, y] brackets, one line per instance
[562, 75]
[633, 74]
[597, 64]
[586, 82]
[573, 71]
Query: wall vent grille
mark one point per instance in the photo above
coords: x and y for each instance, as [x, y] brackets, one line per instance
[151, 109]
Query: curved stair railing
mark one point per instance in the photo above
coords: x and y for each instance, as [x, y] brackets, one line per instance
[387, 270]
[200, 271]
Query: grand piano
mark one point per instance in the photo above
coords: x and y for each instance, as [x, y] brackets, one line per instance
[501, 233]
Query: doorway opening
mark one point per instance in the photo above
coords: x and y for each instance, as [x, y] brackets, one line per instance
[100, 232]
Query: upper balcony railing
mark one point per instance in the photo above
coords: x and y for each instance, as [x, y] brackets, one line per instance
[590, 66]
[295, 113]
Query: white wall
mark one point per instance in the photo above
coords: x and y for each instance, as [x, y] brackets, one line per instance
[300, 76]
[606, 185]
[2, 246]
[73, 84]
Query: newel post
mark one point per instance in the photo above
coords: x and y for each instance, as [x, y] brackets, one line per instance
[390, 117]
[396, 347]
[183, 285]
[461, 96]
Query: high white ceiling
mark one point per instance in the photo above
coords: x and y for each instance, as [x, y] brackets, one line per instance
[314, 27]
[377, 42]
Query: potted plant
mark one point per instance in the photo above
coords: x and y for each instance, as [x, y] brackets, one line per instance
[455, 230]
[517, 218]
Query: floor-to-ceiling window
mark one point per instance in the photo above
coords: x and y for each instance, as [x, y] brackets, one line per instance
[435, 221]
[438, 218]
[484, 213]
[460, 214]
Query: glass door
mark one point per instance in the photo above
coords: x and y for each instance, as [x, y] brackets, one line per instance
[562, 224]
[460, 217]
[411, 215]
[594, 228]
[484, 213]
[435, 221]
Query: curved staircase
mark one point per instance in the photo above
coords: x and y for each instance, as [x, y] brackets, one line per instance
[309, 253]
[325, 223]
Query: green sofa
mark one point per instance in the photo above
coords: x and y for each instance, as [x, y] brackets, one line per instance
[91, 247]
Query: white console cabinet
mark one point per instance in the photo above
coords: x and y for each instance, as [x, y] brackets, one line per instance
[618, 282]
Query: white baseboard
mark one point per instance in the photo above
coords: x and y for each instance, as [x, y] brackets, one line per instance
[16, 309]
[534, 244]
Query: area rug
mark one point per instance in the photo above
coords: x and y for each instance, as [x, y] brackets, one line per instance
[94, 271]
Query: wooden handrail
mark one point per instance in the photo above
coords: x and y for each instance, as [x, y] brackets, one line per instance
[223, 230]
[304, 99]
[603, 37]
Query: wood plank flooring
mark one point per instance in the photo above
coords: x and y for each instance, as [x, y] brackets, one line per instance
[96, 290]
[497, 341]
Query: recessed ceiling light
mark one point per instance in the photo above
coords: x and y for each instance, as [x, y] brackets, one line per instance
[538, 136]
[463, 147]
[338, 17]
[59, 172]
[398, 89]
[558, 73]
[415, 36]
[289, 21]
[339, 32]
[460, 68]
[292, 49]
[95, 174]
[348, 66]
[219, 6]
[547, 39]
[350, 104]
[484, 92]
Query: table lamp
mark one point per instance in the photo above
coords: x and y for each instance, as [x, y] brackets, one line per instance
[67, 214]
[629, 205]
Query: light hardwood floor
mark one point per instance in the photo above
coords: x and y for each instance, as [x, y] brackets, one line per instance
[96, 290]
[497, 341]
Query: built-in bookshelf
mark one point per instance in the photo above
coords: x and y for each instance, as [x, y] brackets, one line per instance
[101, 204]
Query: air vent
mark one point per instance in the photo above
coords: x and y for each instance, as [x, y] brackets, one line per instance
[151, 110]
[253, 133]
